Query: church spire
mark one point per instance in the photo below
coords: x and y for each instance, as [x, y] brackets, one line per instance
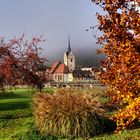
[69, 48]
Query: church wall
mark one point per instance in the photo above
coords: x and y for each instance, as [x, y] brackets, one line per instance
[60, 77]
[65, 59]
[70, 77]
[71, 63]
[65, 77]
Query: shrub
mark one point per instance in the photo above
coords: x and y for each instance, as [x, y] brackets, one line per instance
[69, 113]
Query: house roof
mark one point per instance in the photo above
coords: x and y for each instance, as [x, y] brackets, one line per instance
[54, 66]
[80, 73]
[62, 69]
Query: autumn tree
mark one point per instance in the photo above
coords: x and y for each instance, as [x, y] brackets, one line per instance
[120, 41]
[20, 61]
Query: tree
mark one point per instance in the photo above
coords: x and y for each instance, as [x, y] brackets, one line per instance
[19, 61]
[121, 43]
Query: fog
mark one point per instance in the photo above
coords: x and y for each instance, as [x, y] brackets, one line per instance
[85, 57]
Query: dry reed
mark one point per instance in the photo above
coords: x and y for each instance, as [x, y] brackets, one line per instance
[69, 113]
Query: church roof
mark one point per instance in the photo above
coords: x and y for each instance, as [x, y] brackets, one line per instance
[62, 69]
[69, 47]
[54, 67]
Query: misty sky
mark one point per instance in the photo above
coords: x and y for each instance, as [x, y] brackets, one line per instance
[55, 20]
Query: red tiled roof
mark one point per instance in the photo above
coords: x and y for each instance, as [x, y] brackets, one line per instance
[54, 67]
[62, 69]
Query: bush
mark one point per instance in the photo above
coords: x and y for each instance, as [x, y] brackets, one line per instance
[68, 113]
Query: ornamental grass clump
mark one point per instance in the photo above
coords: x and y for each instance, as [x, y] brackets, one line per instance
[68, 113]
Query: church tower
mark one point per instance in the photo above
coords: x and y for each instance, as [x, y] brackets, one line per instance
[69, 58]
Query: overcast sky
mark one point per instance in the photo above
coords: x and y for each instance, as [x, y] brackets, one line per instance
[55, 20]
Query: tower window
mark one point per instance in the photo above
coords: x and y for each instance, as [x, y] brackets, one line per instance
[71, 60]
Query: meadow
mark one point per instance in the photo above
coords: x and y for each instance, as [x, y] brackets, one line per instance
[17, 120]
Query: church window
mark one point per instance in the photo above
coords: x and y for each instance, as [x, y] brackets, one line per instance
[60, 77]
[71, 60]
[55, 77]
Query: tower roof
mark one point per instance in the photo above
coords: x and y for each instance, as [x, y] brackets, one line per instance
[69, 47]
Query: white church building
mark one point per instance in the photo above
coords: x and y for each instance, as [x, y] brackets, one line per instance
[69, 58]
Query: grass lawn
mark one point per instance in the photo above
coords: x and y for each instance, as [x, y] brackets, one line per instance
[17, 122]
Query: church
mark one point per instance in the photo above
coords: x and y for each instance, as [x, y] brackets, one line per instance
[69, 58]
[67, 71]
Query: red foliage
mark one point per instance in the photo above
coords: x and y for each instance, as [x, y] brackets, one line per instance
[19, 62]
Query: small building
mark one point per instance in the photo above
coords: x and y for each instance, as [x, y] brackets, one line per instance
[79, 75]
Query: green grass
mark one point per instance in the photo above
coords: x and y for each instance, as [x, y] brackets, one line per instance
[15, 110]
[16, 116]
[17, 121]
